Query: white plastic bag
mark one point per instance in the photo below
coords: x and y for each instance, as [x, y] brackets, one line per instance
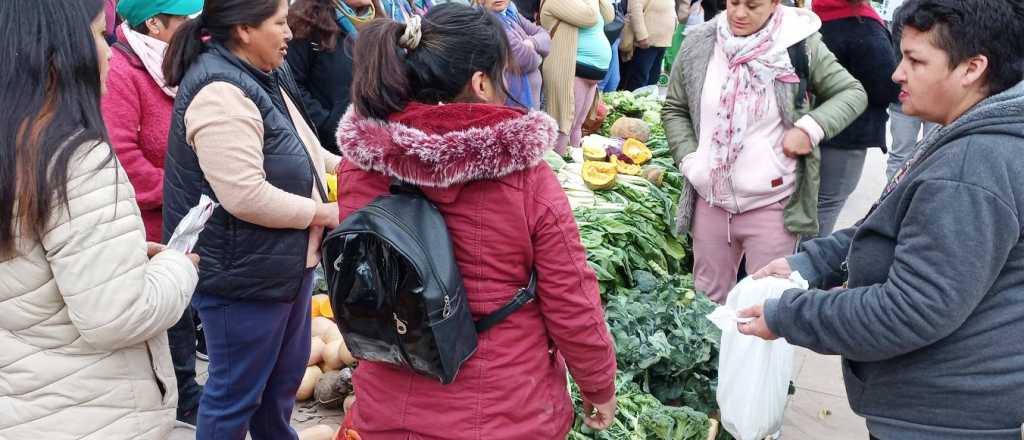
[187, 233]
[753, 374]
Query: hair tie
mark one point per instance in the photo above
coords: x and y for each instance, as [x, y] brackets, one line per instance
[410, 39]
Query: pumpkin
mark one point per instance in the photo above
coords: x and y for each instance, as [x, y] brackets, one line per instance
[637, 151]
[316, 350]
[595, 153]
[332, 356]
[626, 128]
[349, 401]
[332, 334]
[332, 187]
[623, 166]
[321, 326]
[308, 384]
[318, 432]
[322, 306]
[599, 175]
[344, 354]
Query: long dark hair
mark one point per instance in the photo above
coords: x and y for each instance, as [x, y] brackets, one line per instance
[316, 21]
[457, 41]
[218, 19]
[51, 89]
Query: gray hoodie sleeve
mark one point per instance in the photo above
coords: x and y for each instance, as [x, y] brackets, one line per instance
[953, 242]
[821, 262]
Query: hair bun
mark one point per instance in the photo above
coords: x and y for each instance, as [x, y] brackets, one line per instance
[410, 39]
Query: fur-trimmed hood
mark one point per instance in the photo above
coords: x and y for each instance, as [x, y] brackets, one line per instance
[448, 144]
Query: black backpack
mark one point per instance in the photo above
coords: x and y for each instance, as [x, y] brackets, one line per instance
[396, 289]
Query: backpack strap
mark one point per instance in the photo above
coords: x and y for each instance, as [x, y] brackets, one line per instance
[523, 296]
[801, 63]
[399, 186]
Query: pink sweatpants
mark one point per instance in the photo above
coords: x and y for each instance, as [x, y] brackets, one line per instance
[584, 92]
[720, 240]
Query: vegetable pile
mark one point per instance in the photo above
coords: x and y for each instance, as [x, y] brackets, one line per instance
[641, 416]
[328, 377]
[666, 350]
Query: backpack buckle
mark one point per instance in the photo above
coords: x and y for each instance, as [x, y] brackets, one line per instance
[447, 311]
[400, 325]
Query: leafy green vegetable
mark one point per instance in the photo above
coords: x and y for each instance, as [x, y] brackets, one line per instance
[663, 340]
[640, 417]
[666, 349]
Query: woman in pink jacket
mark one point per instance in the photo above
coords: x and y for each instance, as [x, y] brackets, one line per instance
[137, 112]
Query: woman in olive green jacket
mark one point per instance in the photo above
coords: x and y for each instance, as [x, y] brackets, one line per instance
[752, 93]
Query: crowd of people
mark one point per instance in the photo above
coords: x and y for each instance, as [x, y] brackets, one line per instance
[122, 114]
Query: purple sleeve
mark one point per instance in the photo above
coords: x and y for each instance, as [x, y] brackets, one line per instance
[526, 58]
[541, 38]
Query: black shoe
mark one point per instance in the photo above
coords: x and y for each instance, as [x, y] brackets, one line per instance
[201, 344]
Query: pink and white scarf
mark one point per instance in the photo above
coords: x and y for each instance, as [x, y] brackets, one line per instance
[151, 52]
[753, 69]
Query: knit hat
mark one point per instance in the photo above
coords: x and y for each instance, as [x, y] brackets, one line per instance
[137, 11]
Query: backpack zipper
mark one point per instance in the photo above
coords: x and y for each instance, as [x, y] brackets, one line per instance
[401, 225]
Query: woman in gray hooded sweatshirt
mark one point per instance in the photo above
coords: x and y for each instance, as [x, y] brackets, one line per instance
[930, 314]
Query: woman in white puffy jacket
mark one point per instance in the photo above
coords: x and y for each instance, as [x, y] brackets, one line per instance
[84, 301]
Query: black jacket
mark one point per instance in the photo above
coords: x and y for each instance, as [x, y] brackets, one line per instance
[241, 260]
[325, 83]
[865, 48]
[528, 8]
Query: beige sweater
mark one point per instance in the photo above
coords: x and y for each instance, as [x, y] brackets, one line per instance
[654, 20]
[226, 129]
[559, 68]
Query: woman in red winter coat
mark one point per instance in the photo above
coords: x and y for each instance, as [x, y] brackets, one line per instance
[427, 110]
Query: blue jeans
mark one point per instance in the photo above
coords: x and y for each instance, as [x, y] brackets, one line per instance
[644, 69]
[258, 354]
[610, 83]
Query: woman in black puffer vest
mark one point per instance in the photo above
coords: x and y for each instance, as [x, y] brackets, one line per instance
[240, 136]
